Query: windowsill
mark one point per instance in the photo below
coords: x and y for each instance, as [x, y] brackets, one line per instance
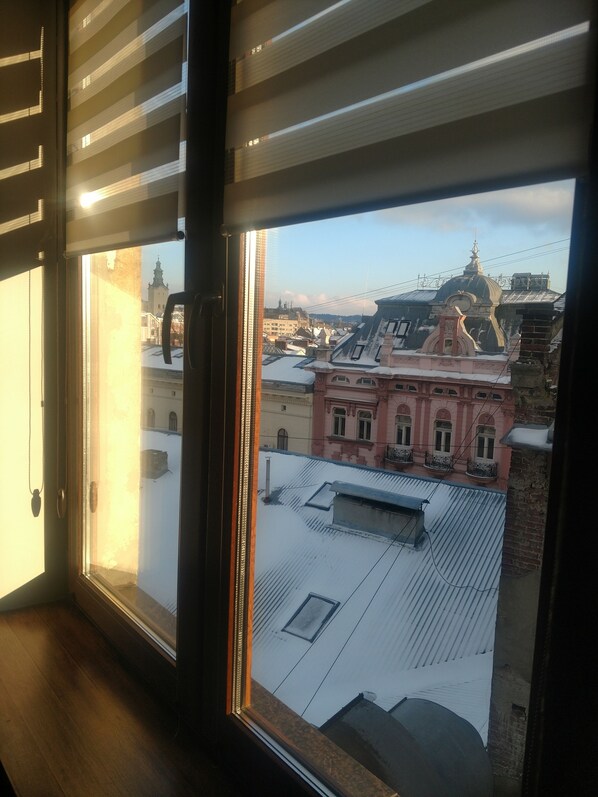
[309, 746]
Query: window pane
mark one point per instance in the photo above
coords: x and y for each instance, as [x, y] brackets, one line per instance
[407, 546]
[132, 431]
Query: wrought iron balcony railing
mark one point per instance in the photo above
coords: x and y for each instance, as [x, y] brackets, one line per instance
[438, 461]
[399, 453]
[483, 470]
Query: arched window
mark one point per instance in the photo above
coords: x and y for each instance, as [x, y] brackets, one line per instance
[442, 436]
[340, 378]
[173, 422]
[339, 416]
[366, 380]
[364, 425]
[150, 419]
[282, 440]
[485, 438]
[403, 430]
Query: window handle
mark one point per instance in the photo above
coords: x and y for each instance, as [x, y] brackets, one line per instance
[197, 302]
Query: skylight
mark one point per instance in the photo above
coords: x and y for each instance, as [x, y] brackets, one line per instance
[310, 618]
[322, 498]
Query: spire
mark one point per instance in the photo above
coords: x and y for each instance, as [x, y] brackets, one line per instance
[474, 266]
[158, 276]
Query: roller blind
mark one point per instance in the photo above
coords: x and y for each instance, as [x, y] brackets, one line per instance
[339, 106]
[125, 123]
[26, 187]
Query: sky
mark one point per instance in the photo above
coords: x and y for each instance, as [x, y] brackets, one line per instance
[340, 266]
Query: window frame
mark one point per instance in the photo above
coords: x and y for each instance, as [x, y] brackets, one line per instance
[339, 421]
[365, 419]
[403, 428]
[558, 668]
[443, 432]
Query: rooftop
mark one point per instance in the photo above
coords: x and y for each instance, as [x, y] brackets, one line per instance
[406, 623]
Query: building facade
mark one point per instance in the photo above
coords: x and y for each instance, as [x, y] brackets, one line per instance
[424, 385]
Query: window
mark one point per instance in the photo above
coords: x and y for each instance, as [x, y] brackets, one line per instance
[437, 390]
[172, 422]
[485, 442]
[150, 418]
[364, 425]
[481, 394]
[338, 421]
[366, 380]
[340, 378]
[403, 430]
[282, 440]
[357, 351]
[310, 618]
[442, 436]
[403, 329]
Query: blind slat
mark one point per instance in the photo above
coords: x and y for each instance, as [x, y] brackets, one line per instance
[27, 137]
[376, 76]
[125, 126]
[412, 47]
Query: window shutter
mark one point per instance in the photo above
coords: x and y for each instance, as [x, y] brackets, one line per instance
[125, 123]
[360, 104]
[26, 135]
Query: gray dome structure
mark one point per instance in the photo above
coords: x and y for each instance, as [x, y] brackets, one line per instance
[473, 281]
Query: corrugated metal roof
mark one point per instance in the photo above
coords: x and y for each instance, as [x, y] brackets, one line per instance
[529, 297]
[406, 616]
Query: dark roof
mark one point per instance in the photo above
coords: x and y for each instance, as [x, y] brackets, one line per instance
[485, 288]
[418, 748]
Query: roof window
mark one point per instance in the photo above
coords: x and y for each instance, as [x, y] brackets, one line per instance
[309, 620]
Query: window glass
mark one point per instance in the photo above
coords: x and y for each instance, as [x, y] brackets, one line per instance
[132, 473]
[392, 511]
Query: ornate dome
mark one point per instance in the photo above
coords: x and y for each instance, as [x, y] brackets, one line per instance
[471, 281]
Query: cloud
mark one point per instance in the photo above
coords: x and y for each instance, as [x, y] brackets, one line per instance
[539, 208]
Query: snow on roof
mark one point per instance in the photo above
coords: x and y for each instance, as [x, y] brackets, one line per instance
[411, 297]
[529, 297]
[152, 357]
[409, 622]
[381, 496]
[529, 435]
[287, 368]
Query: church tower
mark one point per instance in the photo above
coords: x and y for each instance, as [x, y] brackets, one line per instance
[157, 292]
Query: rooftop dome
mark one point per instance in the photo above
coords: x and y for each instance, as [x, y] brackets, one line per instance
[472, 281]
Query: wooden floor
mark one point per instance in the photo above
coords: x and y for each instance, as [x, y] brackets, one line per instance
[74, 722]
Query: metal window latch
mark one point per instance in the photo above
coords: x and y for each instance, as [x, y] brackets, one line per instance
[197, 302]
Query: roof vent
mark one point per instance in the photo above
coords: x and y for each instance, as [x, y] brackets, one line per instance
[395, 517]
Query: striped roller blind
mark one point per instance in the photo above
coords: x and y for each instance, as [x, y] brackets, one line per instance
[125, 123]
[25, 138]
[357, 104]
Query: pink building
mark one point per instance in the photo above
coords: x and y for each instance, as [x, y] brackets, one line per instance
[425, 383]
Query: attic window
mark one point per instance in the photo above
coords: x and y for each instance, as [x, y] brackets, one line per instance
[356, 353]
[366, 380]
[497, 397]
[481, 395]
[391, 327]
[412, 388]
[310, 618]
[340, 378]
[403, 329]
[399, 386]
[377, 357]
[437, 390]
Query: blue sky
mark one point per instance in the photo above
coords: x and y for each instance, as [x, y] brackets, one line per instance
[341, 265]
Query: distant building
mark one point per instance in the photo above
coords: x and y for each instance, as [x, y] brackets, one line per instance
[425, 383]
[157, 292]
[286, 403]
[284, 320]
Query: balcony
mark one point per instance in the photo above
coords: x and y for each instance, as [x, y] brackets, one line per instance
[399, 456]
[441, 464]
[482, 471]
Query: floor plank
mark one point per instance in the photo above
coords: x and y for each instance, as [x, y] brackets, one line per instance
[74, 722]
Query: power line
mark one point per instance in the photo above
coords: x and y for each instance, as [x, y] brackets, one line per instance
[413, 281]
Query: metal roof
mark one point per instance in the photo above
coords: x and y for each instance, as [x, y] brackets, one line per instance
[409, 621]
